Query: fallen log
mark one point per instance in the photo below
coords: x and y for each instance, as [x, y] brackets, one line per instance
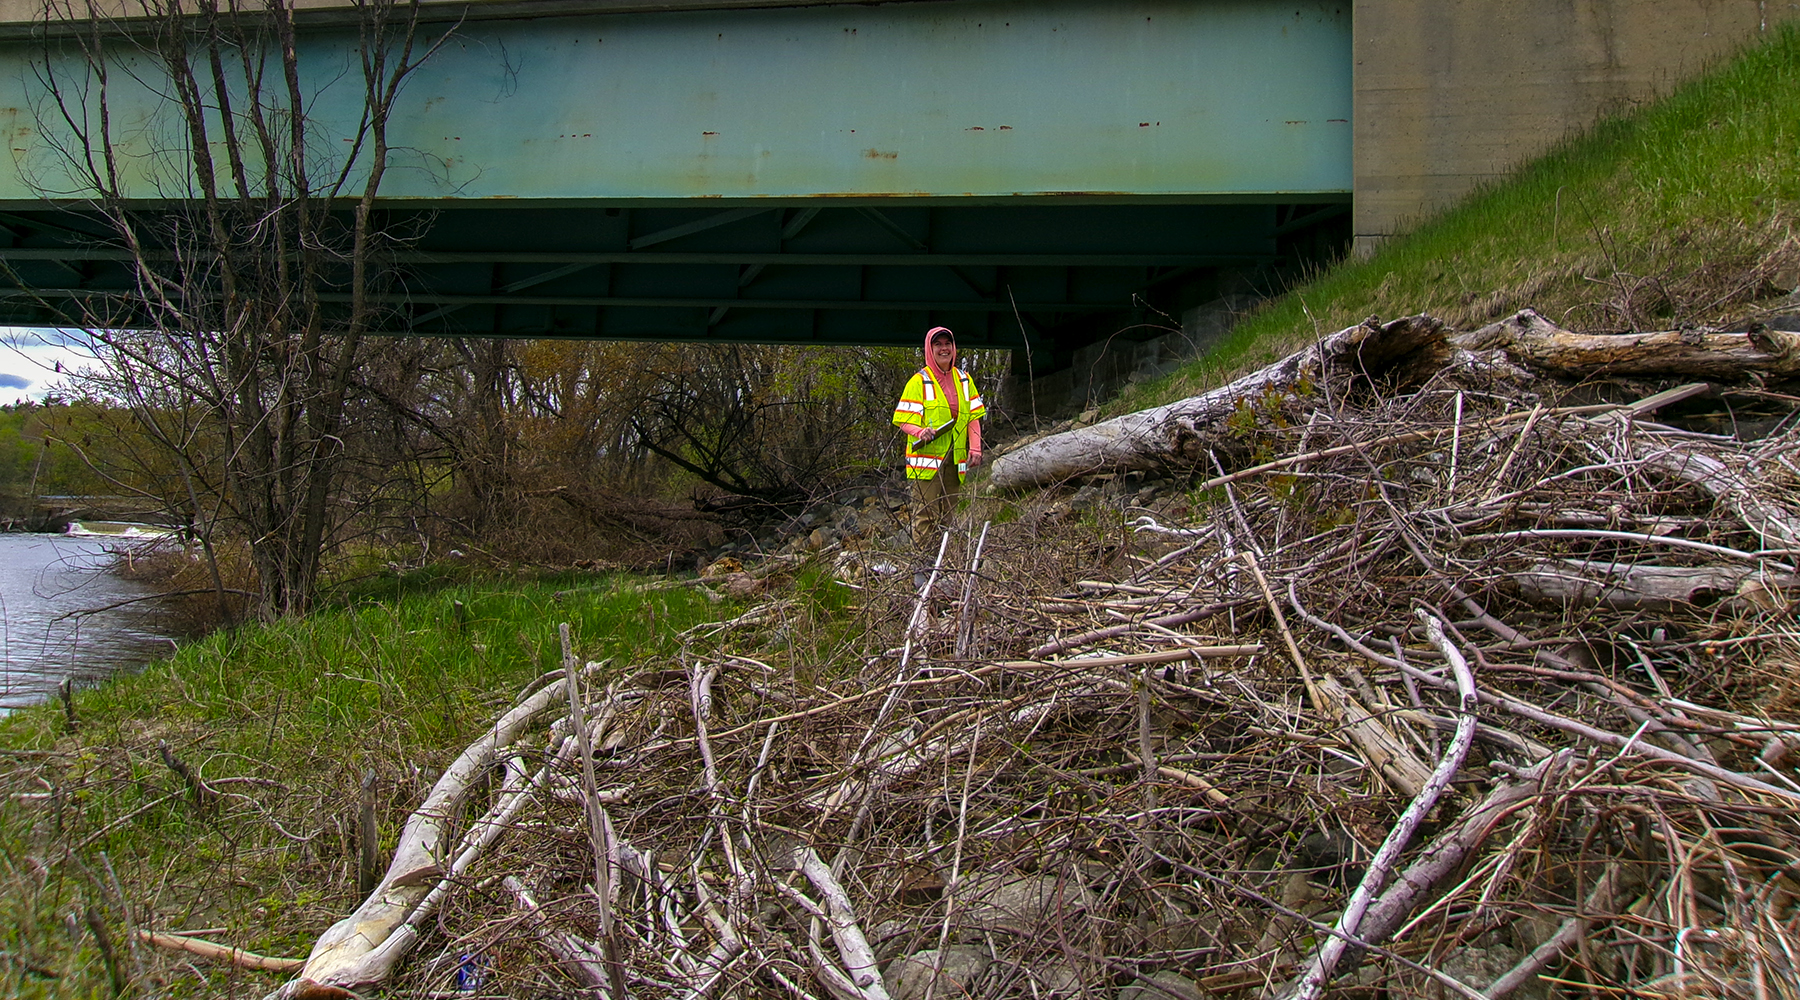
[1541, 344]
[1174, 433]
[350, 953]
[1633, 587]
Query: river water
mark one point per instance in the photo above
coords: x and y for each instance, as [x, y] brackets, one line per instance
[46, 581]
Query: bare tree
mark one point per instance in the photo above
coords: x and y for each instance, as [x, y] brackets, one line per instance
[772, 425]
[257, 268]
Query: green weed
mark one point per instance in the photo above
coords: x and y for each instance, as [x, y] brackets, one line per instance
[281, 720]
[1682, 211]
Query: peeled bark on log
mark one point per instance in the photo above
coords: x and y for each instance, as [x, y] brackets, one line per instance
[343, 954]
[1529, 337]
[1174, 433]
[1627, 586]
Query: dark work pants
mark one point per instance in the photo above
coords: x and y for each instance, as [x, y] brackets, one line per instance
[933, 500]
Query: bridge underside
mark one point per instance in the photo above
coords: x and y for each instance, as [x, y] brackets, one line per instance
[1007, 276]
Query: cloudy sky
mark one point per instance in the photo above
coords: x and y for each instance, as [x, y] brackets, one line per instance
[28, 361]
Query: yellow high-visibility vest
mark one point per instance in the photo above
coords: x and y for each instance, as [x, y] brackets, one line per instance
[923, 404]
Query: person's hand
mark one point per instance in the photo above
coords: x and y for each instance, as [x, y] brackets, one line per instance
[974, 457]
[926, 434]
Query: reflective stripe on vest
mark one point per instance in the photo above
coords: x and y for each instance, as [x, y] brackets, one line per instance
[974, 398]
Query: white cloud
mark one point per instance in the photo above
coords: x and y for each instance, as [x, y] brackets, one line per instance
[30, 359]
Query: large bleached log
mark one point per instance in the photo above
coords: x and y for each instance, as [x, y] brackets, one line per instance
[349, 953]
[1529, 337]
[1175, 433]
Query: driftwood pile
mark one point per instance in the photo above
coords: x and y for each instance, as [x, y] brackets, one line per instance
[1463, 683]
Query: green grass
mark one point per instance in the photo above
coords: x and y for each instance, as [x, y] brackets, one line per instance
[283, 719]
[1681, 212]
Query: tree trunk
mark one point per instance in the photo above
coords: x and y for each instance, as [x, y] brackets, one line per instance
[1175, 434]
[1531, 338]
[229, 318]
[1631, 587]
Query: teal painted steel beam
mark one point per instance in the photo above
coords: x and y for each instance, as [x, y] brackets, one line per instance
[1132, 97]
[1127, 98]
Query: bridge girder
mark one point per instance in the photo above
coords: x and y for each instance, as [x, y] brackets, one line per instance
[826, 174]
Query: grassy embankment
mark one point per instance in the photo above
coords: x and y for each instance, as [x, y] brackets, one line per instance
[1683, 211]
[282, 721]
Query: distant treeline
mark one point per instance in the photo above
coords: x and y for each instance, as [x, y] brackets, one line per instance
[35, 459]
[546, 452]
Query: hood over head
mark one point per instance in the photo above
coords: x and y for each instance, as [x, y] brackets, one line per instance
[945, 379]
[931, 362]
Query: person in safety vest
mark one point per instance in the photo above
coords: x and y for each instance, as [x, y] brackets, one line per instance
[940, 413]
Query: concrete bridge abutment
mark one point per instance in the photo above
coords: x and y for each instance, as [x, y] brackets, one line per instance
[1454, 94]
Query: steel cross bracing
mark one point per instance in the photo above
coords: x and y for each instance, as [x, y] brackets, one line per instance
[838, 274]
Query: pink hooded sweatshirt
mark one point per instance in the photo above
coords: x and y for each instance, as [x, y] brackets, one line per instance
[946, 382]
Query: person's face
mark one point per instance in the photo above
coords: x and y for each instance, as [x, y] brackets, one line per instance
[942, 350]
